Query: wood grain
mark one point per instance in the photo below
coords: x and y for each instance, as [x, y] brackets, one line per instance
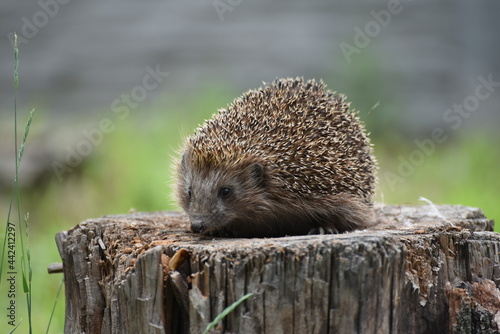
[422, 269]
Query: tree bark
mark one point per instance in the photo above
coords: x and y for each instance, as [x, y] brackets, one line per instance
[423, 269]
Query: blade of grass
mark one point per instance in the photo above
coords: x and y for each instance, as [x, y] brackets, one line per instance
[26, 132]
[16, 64]
[25, 252]
[26, 266]
[12, 331]
[25, 262]
[25, 256]
[16, 85]
[226, 311]
[4, 247]
[55, 303]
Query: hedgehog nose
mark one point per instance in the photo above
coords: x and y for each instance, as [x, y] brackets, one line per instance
[197, 226]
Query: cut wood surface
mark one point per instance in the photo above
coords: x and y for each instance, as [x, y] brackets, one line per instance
[424, 269]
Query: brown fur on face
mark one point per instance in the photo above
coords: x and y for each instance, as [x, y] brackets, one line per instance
[219, 196]
[256, 205]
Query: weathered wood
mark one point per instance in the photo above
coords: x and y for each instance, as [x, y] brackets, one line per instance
[425, 269]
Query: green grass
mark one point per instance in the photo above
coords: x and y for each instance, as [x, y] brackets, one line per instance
[132, 169]
[226, 311]
[14, 229]
[461, 171]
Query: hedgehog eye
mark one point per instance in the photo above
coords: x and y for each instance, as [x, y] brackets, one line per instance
[225, 192]
[189, 193]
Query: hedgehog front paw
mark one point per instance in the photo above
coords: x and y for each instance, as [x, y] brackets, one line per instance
[321, 230]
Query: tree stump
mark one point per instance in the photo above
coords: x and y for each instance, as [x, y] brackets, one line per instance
[425, 269]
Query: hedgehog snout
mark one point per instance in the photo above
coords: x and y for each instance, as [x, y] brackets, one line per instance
[197, 226]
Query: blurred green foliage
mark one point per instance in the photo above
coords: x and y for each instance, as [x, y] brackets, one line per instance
[132, 168]
[459, 171]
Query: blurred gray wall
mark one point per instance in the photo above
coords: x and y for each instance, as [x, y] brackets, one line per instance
[79, 56]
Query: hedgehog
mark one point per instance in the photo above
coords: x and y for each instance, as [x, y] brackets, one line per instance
[286, 159]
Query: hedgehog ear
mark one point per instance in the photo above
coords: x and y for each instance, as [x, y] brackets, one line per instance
[257, 173]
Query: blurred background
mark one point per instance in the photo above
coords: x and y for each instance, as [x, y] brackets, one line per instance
[117, 85]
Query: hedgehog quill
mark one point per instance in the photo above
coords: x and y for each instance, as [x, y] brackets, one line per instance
[288, 158]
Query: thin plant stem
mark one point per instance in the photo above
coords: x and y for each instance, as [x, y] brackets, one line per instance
[55, 303]
[226, 311]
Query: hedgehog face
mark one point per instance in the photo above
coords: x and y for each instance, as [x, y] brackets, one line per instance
[215, 197]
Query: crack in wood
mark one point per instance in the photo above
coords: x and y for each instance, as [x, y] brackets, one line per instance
[415, 272]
